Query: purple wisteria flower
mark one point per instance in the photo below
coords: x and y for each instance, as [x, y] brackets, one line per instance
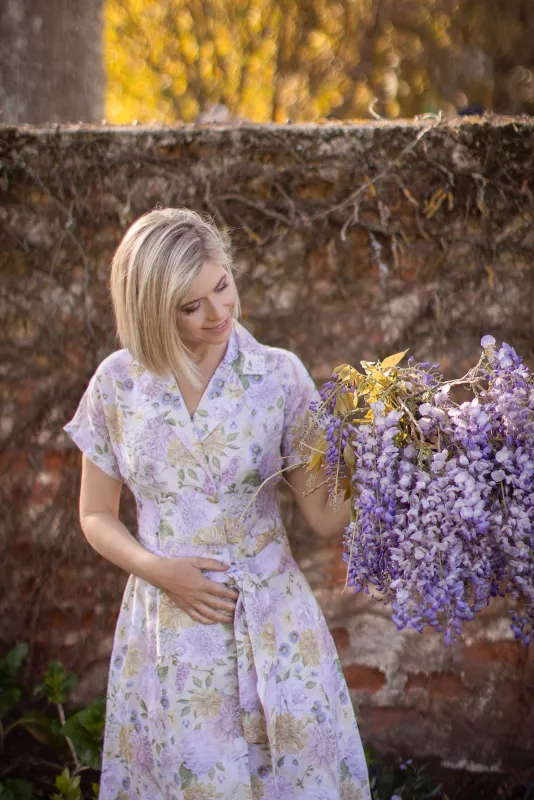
[442, 492]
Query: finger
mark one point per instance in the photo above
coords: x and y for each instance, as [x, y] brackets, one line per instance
[219, 603]
[213, 614]
[210, 564]
[221, 590]
[200, 617]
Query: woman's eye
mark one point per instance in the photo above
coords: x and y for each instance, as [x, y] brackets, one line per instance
[223, 287]
[191, 310]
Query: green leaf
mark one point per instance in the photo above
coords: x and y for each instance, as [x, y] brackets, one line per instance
[165, 530]
[216, 462]
[15, 789]
[197, 681]
[45, 729]
[202, 413]
[280, 761]
[192, 474]
[345, 772]
[310, 684]
[99, 450]
[186, 777]
[252, 478]
[208, 681]
[185, 711]
[85, 728]
[231, 437]
[11, 664]
[11, 690]
[162, 672]
[295, 658]
[9, 697]
[68, 787]
[181, 474]
[237, 365]
[57, 684]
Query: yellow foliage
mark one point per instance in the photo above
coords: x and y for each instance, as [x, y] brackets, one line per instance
[304, 59]
[392, 361]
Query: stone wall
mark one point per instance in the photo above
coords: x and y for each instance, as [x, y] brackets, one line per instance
[351, 242]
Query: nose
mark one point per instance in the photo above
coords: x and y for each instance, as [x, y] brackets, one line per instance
[217, 311]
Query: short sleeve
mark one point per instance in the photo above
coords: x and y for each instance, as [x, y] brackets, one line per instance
[94, 427]
[300, 393]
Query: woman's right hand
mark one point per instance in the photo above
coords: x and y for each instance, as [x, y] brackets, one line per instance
[182, 580]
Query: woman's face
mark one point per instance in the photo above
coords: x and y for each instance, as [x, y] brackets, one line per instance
[206, 313]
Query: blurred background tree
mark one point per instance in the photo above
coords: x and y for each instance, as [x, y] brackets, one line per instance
[273, 60]
[51, 61]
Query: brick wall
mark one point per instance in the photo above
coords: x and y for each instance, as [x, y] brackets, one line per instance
[351, 242]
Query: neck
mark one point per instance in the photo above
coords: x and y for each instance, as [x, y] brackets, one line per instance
[207, 357]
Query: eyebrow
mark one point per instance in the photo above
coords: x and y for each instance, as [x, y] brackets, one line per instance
[192, 302]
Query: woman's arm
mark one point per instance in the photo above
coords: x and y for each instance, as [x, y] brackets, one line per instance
[181, 578]
[99, 517]
[315, 506]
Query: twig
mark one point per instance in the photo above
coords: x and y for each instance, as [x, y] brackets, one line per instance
[257, 206]
[78, 767]
[365, 186]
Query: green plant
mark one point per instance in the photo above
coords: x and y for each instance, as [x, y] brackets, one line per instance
[402, 781]
[10, 689]
[77, 738]
[85, 729]
[15, 789]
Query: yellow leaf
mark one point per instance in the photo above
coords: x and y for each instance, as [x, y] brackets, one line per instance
[343, 403]
[491, 275]
[348, 455]
[315, 462]
[367, 365]
[392, 361]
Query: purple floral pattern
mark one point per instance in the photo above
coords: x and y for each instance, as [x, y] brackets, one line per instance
[254, 709]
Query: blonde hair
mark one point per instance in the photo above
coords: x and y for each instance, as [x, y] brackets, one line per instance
[151, 272]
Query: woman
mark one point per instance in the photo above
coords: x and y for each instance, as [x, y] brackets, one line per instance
[224, 679]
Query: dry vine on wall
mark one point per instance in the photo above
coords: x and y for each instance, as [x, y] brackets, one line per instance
[350, 242]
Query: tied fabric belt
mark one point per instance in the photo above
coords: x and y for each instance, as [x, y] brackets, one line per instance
[261, 580]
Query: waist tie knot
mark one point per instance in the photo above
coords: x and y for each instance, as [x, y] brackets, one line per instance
[261, 580]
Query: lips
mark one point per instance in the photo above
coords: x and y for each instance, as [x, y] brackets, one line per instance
[219, 328]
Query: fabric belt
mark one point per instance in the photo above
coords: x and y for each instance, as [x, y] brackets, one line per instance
[257, 659]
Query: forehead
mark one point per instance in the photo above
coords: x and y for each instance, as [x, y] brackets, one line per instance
[206, 280]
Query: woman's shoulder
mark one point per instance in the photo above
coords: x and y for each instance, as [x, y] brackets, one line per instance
[119, 365]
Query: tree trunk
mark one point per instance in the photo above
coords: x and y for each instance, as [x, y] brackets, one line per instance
[51, 61]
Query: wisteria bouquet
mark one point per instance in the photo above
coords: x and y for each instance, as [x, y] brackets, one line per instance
[442, 493]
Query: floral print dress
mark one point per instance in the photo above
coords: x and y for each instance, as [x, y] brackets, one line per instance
[257, 708]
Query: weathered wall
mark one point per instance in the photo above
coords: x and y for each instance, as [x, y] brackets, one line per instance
[352, 241]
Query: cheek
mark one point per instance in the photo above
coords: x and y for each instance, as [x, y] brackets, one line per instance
[231, 299]
[189, 324]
